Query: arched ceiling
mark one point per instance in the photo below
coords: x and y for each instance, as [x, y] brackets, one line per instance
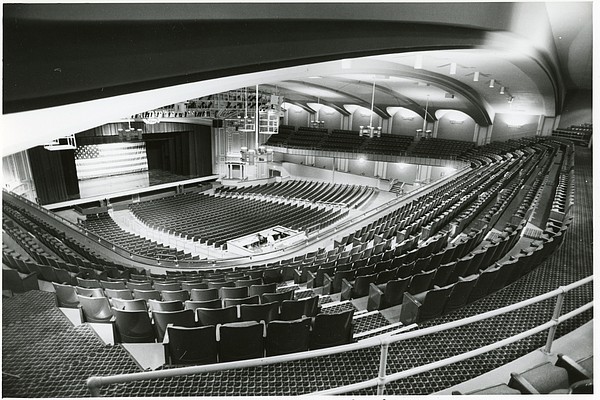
[70, 67]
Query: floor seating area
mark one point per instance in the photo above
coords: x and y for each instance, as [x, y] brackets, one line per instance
[214, 219]
[352, 196]
[104, 226]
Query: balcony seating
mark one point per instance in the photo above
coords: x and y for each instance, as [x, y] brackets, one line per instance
[258, 290]
[88, 283]
[388, 294]
[133, 326]
[132, 305]
[245, 300]
[241, 341]
[296, 309]
[265, 312]
[95, 309]
[181, 345]
[171, 286]
[332, 330]
[284, 337]
[193, 304]
[204, 294]
[461, 290]
[215, 316]
[178, 318]
[124, 294]
[423, 306]
[233, 292]
[89, 292]
[16, 282]
[66, 295]
[164, 305]
[150, 294]
[358, 288]
[277, 297]
[542, 379]
[114, 285]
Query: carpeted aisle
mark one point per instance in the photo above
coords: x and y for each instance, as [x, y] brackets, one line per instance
[43, 355]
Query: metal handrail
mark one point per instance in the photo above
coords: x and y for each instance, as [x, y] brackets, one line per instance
[95, 382]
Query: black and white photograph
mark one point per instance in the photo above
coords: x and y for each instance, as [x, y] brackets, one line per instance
[297, 198]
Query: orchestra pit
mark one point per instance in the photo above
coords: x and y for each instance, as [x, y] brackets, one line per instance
[283, 199]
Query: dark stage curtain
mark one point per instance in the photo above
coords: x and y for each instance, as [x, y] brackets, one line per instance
[48, 175]
[183, 153]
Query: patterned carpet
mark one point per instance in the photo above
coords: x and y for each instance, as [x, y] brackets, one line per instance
[44, 356]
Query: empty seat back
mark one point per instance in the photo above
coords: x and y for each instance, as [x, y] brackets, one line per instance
[241, 341]
[182, 345]
[332, 330]
[284, 337]
[177, 318]
[215, 316]
[133, 326]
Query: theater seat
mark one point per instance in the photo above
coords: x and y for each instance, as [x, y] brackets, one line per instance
[241, 341]
[332, 330]
[541, 379]
[18, 283]
[177, 318]
[95, 309]
[266, 312]
[193, 304]
[66, 295]
[423, 306]
[215, 316]
[190, 345]
[133, 326]
[123, 304]
[388, 294]
[284, 337]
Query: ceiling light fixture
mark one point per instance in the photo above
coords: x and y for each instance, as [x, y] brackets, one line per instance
[491, 83]
[476, 76]
[502, 90]
[419, 61]
[453, 68]
[370, 130]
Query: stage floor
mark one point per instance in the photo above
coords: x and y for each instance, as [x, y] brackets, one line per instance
[120, 183]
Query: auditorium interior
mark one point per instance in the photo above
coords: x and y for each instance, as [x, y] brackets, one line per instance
[282, 199]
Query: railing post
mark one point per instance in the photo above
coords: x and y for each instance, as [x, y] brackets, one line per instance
[557, 310]
[382, 368]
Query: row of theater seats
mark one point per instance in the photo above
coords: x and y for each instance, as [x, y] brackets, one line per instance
[69, 258]
[479, 275]
[440, 148]
[580, 134]
[340, 140]
[215, 220]
[316, 192]
[103, 225]
[246, 340]
[565, 376]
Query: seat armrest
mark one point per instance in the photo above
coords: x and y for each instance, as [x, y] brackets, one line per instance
[297, 275]
[375, 297]
[347, 288]
[327, 283]
[521, 384]
[310, 279]
[30, 282]
[410, 309]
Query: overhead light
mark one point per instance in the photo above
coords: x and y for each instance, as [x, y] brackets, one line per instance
[453, 68]
[419, 61]
[502, 90]
[370, 130]
[314, 77]
[476, 76]
[491, 83]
